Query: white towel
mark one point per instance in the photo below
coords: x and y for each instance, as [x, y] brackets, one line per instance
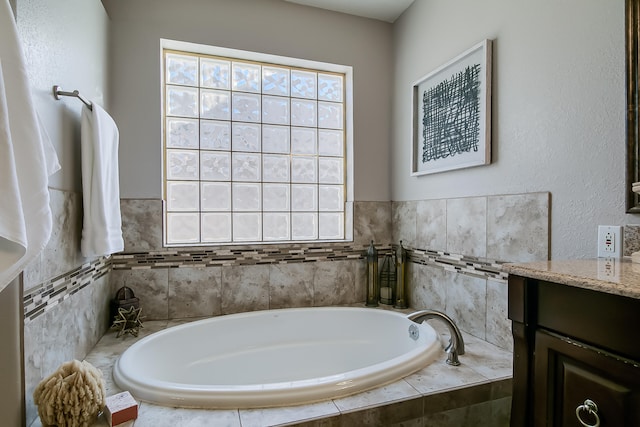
[26, 160]
[102, 224]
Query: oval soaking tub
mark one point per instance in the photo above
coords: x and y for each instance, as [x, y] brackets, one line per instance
[275, 357]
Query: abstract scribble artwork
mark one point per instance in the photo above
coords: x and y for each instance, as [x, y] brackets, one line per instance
[452, 114]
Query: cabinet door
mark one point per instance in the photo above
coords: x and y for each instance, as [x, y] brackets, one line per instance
[571, 379]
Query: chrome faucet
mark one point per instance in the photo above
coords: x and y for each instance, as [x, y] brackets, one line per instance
[456, 343]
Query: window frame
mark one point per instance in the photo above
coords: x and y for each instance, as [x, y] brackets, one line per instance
[276, 60]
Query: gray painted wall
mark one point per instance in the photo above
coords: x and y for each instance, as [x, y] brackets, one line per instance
[558, 105]
[558, 95]
[65, 43]
[266, 26]
[62, 50]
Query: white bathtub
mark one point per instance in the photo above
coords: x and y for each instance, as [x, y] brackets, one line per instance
[275, 357]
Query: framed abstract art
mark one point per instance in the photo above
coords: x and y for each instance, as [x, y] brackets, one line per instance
[452, 114]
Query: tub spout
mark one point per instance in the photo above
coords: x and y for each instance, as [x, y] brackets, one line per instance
[456, 343]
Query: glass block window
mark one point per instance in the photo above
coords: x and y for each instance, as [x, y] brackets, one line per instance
[254, 152]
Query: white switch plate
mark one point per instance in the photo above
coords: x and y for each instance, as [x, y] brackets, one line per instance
[609, 241]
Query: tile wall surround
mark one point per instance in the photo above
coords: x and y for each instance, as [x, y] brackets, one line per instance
[506, 228]
[466, 258]
[331, 273]
[226, 280]
[66, 298]
[489, 231]
[474, 227]
[70, 330]
[377, 221]
[60, 270]
[52, 292]
[167, 293]
[62, 253]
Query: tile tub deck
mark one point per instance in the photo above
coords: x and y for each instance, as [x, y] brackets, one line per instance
[478, 393]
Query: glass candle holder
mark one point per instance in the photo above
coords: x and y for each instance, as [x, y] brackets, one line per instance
[373, 288]
[401, 289]
[388, 280]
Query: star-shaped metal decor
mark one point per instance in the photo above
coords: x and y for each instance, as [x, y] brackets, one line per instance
[128, 321]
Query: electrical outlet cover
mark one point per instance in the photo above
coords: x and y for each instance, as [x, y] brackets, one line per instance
[609, 269]
[609, 241]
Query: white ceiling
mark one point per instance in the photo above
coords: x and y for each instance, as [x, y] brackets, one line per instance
[383, 10]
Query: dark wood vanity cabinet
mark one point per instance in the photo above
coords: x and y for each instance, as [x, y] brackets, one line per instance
[576, 356]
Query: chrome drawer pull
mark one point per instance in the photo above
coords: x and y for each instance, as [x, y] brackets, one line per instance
[592, 409]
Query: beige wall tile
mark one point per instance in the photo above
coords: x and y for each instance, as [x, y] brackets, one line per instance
[498, 324]
[466, 302]
[245, 288]
[194, 292]
[403, 223]
[467, 226]
[518, 227]
[151, 286]
[431, 224]
[334, 283]
[291, 285]
[141, 224]
[372, 221]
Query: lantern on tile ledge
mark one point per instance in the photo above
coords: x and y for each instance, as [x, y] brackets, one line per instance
[125, 298]
[388, 280]
[126, 312]
[401, 287]
[373, 288]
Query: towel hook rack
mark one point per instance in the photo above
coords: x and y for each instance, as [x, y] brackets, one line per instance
[58, 92]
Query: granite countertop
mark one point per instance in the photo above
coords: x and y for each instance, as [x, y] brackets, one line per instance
[613, 276]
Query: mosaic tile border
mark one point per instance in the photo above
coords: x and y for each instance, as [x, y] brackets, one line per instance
[47, 295]
[240, 256]
[472, 266]
[52, 292]
[476, 267]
